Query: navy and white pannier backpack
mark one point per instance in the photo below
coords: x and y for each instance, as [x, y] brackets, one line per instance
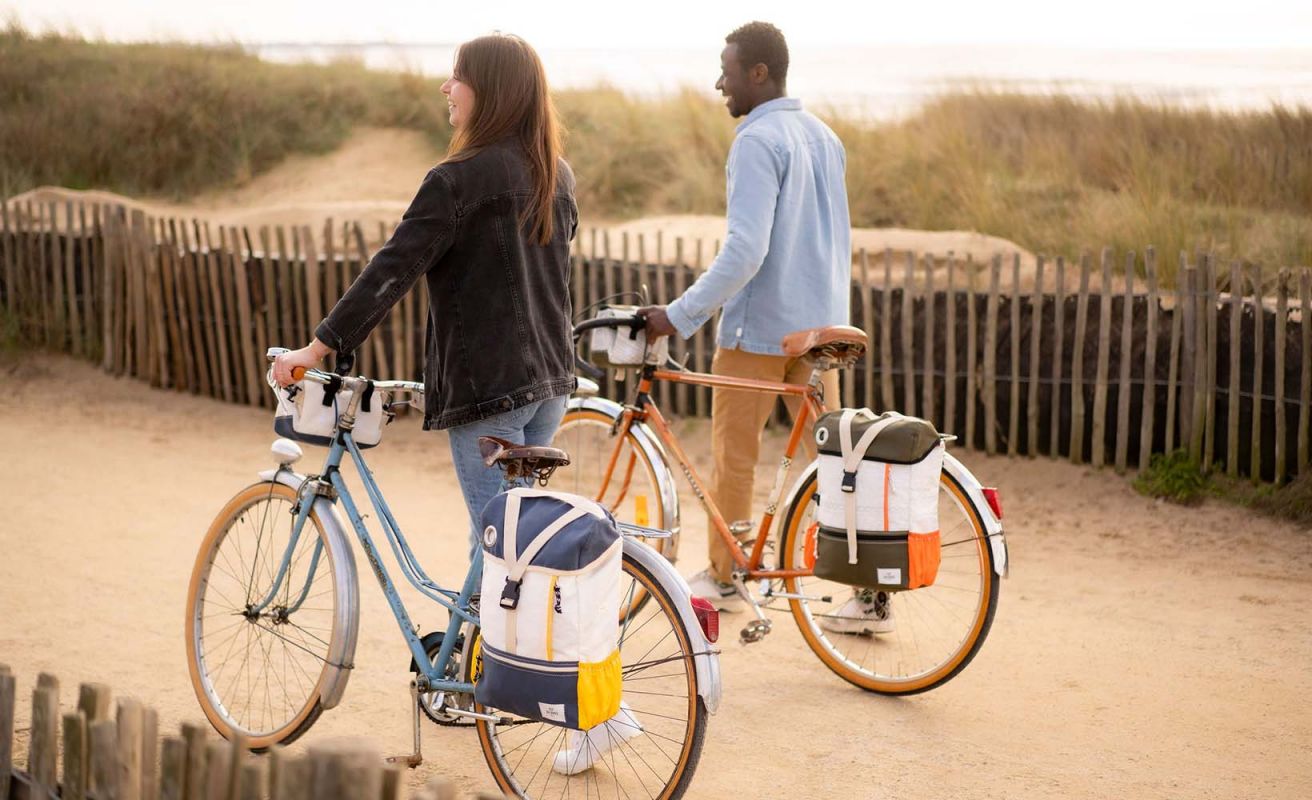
[550, 609]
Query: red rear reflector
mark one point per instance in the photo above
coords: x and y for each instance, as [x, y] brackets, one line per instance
[995, 502]
[707, 617]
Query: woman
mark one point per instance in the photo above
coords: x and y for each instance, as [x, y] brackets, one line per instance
[489, 230]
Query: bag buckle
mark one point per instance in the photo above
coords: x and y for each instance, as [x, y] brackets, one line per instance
[510, 595]
[849, 482]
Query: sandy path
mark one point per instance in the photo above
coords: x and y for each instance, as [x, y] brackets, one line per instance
[1140, 649]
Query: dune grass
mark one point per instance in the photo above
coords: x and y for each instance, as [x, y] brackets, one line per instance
[1052, 173]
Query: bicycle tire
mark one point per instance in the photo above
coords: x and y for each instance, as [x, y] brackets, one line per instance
[585, 433]
[225, 567]
[612, 777]
[892, 655]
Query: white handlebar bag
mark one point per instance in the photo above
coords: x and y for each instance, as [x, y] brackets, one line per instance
[308, 412]
[625, 347]
[878, 479]
[550, 609]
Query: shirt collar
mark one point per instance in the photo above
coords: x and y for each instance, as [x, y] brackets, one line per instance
[777, 104]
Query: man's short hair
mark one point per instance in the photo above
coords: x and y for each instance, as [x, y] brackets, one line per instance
[762, 43]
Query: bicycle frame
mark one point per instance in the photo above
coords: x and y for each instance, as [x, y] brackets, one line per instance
[455, 602]
[644, 410]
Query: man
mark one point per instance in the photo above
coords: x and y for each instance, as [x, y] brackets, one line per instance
[785, 266]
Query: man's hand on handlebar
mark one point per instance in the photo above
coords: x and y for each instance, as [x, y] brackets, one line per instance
[307, 357]
[658, 322]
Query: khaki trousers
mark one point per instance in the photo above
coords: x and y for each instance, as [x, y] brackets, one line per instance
[737, 419]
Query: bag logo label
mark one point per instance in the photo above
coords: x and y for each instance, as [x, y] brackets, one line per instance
[821, 436]
[889, 576]
[552, 711]
[556, 590]
[489, 536]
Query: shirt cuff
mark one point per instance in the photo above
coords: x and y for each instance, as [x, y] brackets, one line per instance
[682, 321]
[329, 337]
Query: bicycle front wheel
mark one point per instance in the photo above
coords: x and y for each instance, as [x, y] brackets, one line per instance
[626, 486]
[924, 637]
[650, 749]
[260, 672]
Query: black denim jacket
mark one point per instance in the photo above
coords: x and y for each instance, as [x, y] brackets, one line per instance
[499, 307]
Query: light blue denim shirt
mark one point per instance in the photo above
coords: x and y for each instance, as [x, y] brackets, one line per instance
[786, 263]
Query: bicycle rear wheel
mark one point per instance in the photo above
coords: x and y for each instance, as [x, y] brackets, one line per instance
[650, 749]
[261, 674]
[932, 632]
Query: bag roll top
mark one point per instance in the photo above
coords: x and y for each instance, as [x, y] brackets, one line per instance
[550, 608]
[878, 477]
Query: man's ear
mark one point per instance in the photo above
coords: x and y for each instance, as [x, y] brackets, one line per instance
[759, 74]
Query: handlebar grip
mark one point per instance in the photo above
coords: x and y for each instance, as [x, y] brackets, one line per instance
[298, 373]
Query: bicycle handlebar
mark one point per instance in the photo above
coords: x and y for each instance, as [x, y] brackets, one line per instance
[319, 376]
[632, 323]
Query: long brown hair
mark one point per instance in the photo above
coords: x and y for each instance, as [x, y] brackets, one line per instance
[511, 99]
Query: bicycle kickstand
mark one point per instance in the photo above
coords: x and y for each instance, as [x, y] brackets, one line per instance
[416, 758]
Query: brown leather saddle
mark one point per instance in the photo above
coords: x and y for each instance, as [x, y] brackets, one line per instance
[841, 345]
[520, 460]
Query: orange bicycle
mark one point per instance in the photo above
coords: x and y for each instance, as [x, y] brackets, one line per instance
[622, 457]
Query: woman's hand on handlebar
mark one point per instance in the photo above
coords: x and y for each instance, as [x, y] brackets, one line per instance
[658, 322]
[307, 357]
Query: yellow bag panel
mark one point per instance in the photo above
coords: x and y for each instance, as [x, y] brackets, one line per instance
[600, 689]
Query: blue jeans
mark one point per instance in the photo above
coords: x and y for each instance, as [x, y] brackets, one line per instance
[533, 424]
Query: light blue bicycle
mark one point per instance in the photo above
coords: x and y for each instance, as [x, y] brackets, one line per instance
[273, 613]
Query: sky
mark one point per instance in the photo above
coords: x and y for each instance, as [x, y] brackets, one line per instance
[1111, 24]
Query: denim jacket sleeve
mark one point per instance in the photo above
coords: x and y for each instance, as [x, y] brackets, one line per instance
[425, 234]
[754, 175]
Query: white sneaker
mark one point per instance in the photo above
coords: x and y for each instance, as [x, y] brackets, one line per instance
[867, 612]
[721, 595]
[585, 749]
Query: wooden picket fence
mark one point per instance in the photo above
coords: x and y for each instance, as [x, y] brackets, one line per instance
[117, 756]
[1099, 363]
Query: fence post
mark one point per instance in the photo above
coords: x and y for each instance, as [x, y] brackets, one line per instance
[194, 785]
[972, 352]
[1305, 388]
[1123, 390]
[43, 748]
[868, 325]
[1058, 354]
[173, 769]
[927, 384]
[1036, 336]
[1077, 364]
[1209, 296]
[1281, 335]
[1146, 428]
[1236, 306]
[950, 348]
[130, 749]
[1013, 411]
[75, 757]
[102, 766]
[909, 337]
[8, 699]
[886, 335]
[1106, 294]
[1259, 350]
[991, 358]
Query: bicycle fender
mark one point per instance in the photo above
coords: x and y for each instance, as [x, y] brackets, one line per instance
[708, 662]
[651, 448]
[968, 482]
[341, 658]
[992, 525]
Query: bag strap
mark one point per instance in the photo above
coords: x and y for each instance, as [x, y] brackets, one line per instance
[852, 456]
[515, 578]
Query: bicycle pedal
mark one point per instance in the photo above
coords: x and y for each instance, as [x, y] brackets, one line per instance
[754, 631]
